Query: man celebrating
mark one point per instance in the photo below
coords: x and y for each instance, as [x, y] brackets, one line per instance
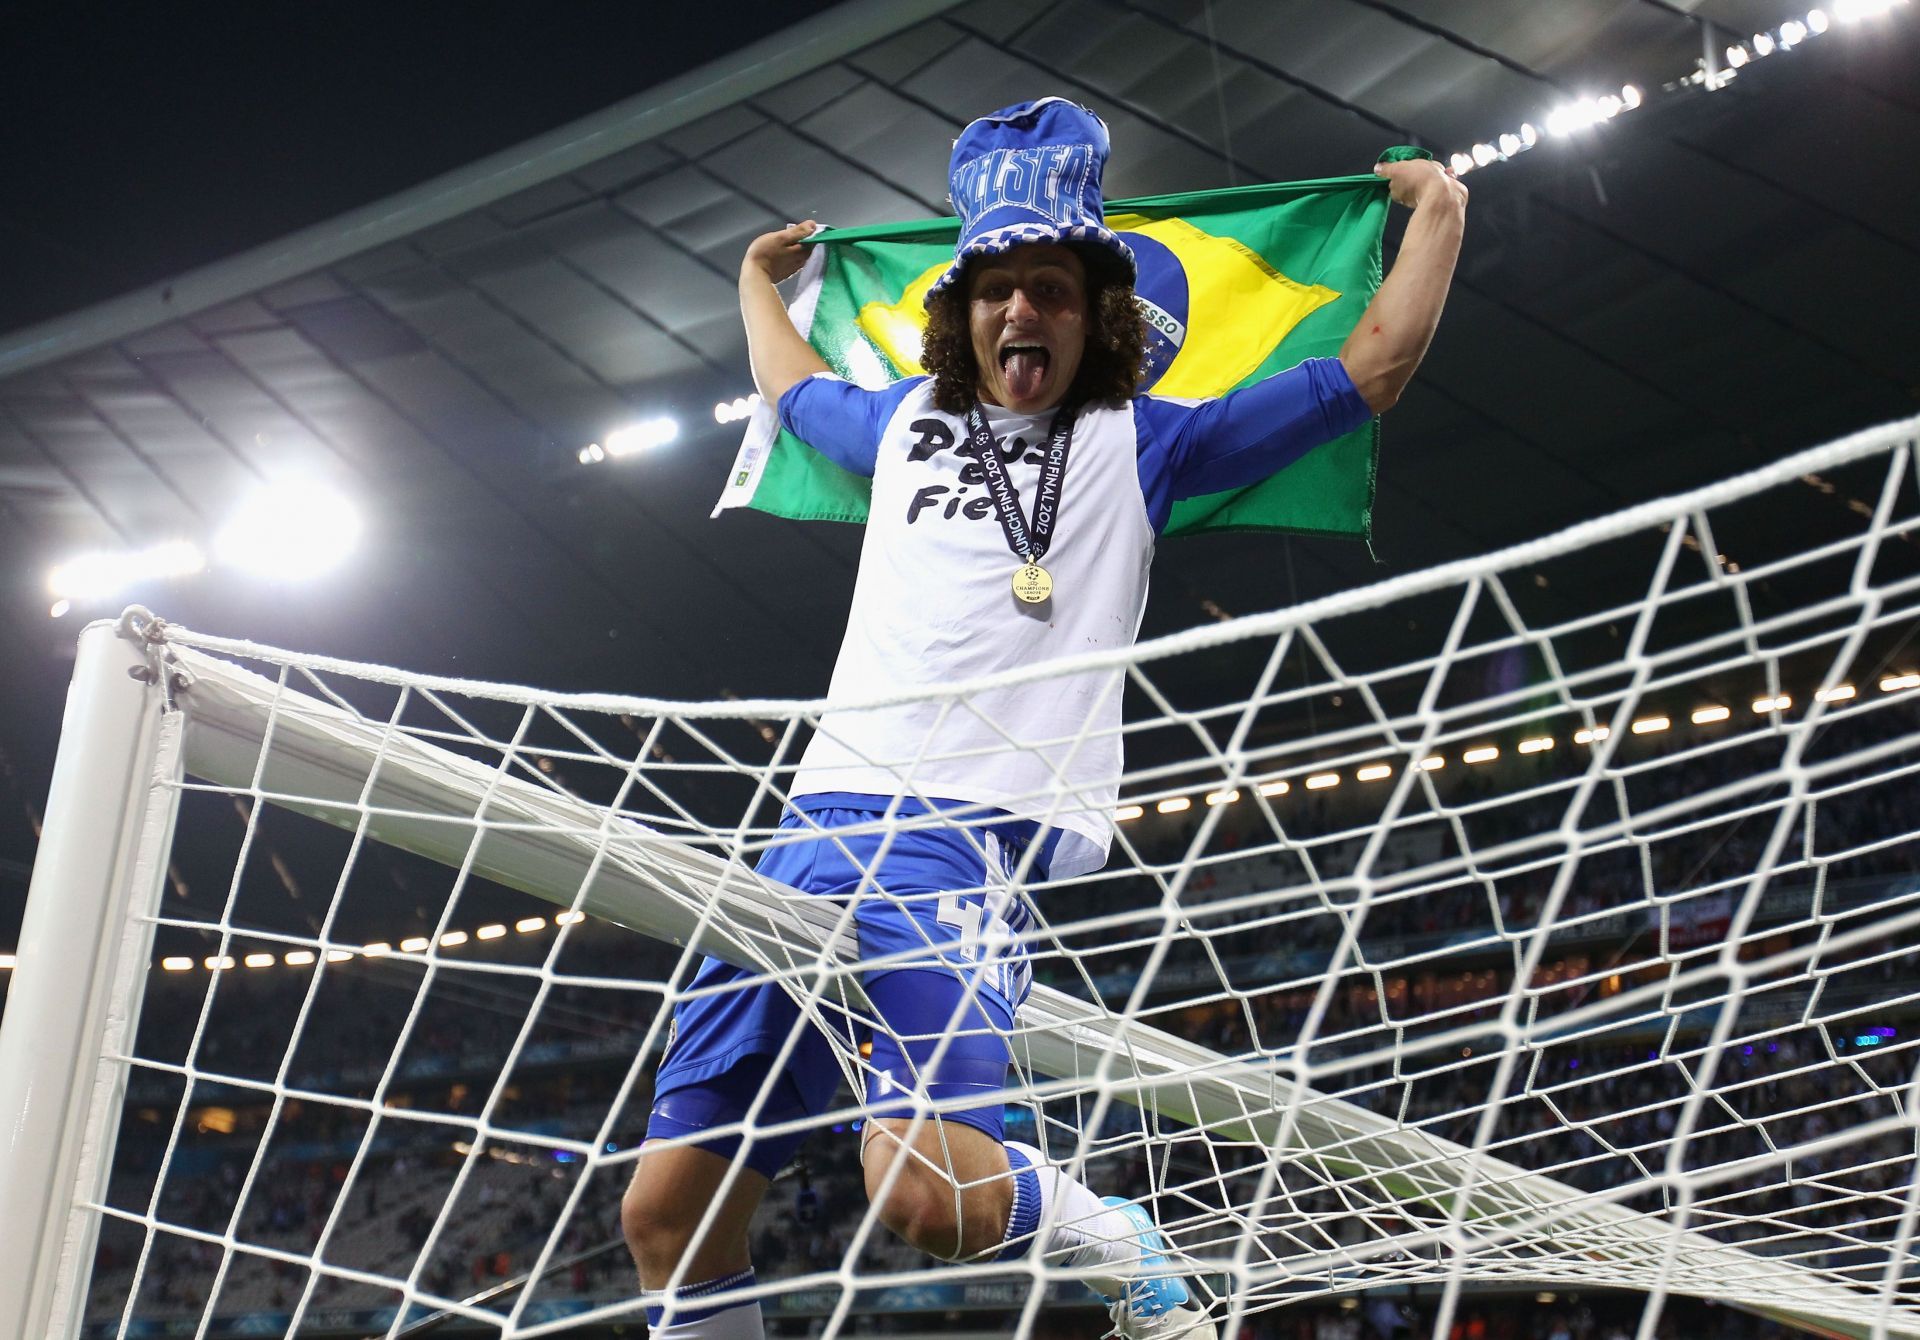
[983, 553]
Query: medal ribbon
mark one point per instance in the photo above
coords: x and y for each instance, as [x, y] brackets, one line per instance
[1029, 541]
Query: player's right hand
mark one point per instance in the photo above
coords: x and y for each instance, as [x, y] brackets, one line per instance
[778, 254]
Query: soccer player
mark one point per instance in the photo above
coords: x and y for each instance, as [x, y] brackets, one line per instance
[983, 552]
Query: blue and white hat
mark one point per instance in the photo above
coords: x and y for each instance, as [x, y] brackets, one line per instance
[1029, 173]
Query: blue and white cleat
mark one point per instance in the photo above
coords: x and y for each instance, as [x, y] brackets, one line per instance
[1156, 1306]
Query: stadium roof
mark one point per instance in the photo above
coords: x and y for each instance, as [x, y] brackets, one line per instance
[1684, 291]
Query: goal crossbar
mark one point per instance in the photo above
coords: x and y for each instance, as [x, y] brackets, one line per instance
[311, 756]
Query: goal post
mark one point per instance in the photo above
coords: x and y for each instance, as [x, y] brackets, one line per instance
[73, 1006]
[1639, 1014]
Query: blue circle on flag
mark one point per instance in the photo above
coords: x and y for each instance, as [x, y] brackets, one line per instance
[1162, 290]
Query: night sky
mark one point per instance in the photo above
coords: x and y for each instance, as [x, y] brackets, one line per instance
[144, 140]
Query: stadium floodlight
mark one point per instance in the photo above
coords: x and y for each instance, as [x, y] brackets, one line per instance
[1222, 797]
[1485, 753]
[60, 608]
[1703, 716]
[740, 407]
[106, 573]
[289, 531]
[1650, 725]
[1126, 814]
[634, 438]
[1320, 781]
[1173, 805]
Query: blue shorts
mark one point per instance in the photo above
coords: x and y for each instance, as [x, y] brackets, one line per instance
[934, 889]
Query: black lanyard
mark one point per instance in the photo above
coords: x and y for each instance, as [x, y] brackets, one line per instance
[1030, 541]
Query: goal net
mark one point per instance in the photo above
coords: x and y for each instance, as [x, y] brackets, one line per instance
[1545, 921]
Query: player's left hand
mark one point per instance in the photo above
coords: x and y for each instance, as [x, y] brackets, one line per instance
[1415, 182]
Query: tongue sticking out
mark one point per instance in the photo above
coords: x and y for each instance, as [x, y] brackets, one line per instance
[1025, 369]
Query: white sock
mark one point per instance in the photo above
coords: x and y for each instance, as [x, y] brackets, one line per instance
[1074, 1229]
[692, 1322]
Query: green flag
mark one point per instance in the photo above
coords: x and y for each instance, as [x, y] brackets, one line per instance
[1236, 285]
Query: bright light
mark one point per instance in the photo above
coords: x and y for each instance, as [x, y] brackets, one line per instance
[413, 944]
[177, 963]
[1894, 683]
[453, 939]
[1510, 145]
[568, 918]
[1816, 20]
[7, 961]
[1528, 135]
[1320, 781]
[493, 932]
[1431, 763]
[338, 955]
[218, 961]
[528, 925]
[60, 608]
[1736, 56]
[1374, 772]
[645, 435]
[1594, 736]
[1630, 97]
[740, 407]
[1484, 154]
[1762, 44]
[1222, 797]
[259, 960]
[378, 949]
[1126, 814]
[1485, 753]
[298, 958]
[1275, 788]
[1839, 693]
[1766, 705]
[1792, 33]
[1648, 725]
[592, 454]
[291, 530]
[97, 576]
[1703, 715]
[1173, 805]
[1462, 164]
[1539, 744]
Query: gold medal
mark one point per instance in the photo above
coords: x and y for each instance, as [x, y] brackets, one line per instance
[1032, 583]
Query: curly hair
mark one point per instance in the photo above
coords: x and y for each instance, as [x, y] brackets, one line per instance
[1109, 369]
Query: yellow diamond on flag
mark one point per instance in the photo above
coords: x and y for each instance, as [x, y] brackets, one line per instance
[1215, 309]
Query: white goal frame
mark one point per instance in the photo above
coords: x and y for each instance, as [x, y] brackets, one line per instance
[144, 713]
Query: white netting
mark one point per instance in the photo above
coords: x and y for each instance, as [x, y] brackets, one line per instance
[1358, 1004]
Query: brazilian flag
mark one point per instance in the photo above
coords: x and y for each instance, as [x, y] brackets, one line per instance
[1236, 285]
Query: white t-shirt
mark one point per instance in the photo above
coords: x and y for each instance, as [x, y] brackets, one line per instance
[933, 605]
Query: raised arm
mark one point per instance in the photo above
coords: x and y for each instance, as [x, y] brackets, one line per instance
[778, 355]
[1393, 334]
